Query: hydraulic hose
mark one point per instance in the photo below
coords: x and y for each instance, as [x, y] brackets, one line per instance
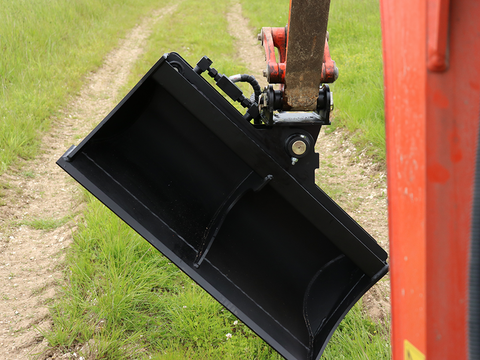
[251, 80]
[474, 286]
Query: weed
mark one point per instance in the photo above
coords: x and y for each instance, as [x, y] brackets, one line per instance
[29, 174]
[39, 290]
[45, 224]
[5, 185]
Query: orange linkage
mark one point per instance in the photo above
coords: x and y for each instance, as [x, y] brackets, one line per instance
[329, 70]
[275, 38]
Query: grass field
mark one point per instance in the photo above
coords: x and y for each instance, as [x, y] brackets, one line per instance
[46, 47]
[129, 299]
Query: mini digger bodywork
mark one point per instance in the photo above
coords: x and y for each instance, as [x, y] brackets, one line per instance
[231, 200]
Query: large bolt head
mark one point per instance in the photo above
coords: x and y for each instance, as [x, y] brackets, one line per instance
[299, 147]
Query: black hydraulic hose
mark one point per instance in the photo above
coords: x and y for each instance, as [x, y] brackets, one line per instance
[251, 80]
[474, 286]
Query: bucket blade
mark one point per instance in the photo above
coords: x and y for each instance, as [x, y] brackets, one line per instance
[222, 200]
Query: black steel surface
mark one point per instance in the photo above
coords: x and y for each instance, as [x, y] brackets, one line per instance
[220, 198]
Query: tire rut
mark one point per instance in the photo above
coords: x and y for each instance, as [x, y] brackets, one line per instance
[39, 204]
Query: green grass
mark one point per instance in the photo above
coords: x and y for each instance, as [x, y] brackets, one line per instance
[45, 224]
[355, 45]
[46, 46]
[29, 174]
[266, 13]
[358, 337]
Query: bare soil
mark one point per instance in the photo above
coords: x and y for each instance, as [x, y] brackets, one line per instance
[37, 194]
[346, 173]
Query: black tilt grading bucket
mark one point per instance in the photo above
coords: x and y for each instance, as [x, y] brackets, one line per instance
[232, 203]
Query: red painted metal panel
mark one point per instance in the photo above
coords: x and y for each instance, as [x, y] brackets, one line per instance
[403, 26]
[453, 100]
[432, 98]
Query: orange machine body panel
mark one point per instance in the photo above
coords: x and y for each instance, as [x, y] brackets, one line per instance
[432, 102]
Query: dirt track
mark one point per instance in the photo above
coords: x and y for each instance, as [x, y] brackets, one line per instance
[31, 259]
